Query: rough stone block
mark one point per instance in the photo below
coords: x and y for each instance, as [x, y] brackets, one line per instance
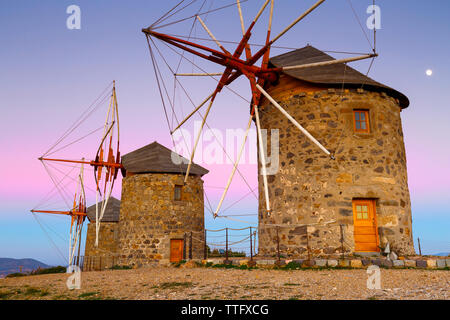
[332, 263]
[410, 263]
[448, 262]
[365, 262]
[387, 263]
[308, 263]
[356, 263]
[421, 263]
[376, 262]
[398, 263]
[298, 261]
[243, 262]
[440, 263]
[280, 262]
[344, 263]
[265, 262]
[321, 262]
[431, 263]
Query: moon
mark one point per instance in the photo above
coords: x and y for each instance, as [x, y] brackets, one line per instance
[429, 72]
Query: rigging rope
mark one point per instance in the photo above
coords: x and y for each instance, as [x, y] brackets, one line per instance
[199, 14]
[81, 118]
[206, 123]
[51, 241]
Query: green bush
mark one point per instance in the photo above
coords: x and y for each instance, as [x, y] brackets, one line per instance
[292, 266]
[58, 269]
[15, 275]
[117, 267]
[178, 264]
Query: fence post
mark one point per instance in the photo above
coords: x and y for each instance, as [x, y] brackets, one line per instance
[420, 250]
[251, 248]
[184, 246]
[341, 226]
[278, 243]
[254, 243]
[307, 244]
[226, 248]
[205, 248]
[190, 246]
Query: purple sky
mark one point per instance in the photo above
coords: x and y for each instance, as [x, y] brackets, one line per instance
[50, 74]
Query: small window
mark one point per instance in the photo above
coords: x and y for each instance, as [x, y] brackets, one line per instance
[362, 212]
[361, 121]
[177, 194]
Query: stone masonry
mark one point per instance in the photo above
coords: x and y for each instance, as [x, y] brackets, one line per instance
[150, 217]
[312, 189]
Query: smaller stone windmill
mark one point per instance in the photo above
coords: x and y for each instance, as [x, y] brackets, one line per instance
[158, 209]
[108, 244]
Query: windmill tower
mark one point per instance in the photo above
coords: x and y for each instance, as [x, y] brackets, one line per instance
[158, 211]
[342, 155]
[364, 189]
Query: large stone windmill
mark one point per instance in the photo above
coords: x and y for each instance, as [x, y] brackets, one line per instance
[342, 182]
[365, 189]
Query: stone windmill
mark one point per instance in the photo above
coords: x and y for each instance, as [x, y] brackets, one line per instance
[365, 189]
[157, 209]
[342, 178]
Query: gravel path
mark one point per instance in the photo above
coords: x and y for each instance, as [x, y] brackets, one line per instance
[210, 283]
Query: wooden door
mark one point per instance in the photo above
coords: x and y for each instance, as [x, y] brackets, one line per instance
[365, 226]
[176, 250]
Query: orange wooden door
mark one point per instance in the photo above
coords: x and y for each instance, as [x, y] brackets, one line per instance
[365, 226]
[176, 250]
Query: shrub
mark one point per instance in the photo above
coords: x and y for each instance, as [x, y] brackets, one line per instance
[58, 269]
[117, 267]
[15, 275]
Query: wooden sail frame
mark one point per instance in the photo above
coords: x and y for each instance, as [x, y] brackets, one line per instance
[106, 164]
[258, 76]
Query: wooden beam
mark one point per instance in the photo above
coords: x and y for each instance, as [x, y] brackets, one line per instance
[290, 118]
[331, 62]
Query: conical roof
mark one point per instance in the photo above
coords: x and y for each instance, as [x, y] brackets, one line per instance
[112, 211]
[332, 75]
[155, 158]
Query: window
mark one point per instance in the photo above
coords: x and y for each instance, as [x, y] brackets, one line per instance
[177, 193]
[362, 211]
[361, 121]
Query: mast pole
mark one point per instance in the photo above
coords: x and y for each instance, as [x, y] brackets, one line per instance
[230, 179]
[262, 157]
[291, 119]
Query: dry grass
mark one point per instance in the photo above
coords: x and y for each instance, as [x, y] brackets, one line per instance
[215, 283]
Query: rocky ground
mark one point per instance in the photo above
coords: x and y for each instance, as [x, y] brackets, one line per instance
[163, 283]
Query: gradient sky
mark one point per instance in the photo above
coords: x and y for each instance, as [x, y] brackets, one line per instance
[50, 74]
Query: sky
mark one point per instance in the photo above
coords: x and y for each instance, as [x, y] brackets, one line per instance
[50, 74]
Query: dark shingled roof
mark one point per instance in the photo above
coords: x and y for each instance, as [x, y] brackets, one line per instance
[331, 75]
[112, 211]
[158, 159]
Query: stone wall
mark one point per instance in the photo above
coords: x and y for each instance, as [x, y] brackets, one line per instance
[108, 245]
[310, 188]
[150, 217]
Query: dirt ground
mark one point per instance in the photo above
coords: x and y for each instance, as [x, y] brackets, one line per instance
[168, 283]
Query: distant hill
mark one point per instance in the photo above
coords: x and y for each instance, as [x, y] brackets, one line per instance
[442, 254]
[9, 265]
